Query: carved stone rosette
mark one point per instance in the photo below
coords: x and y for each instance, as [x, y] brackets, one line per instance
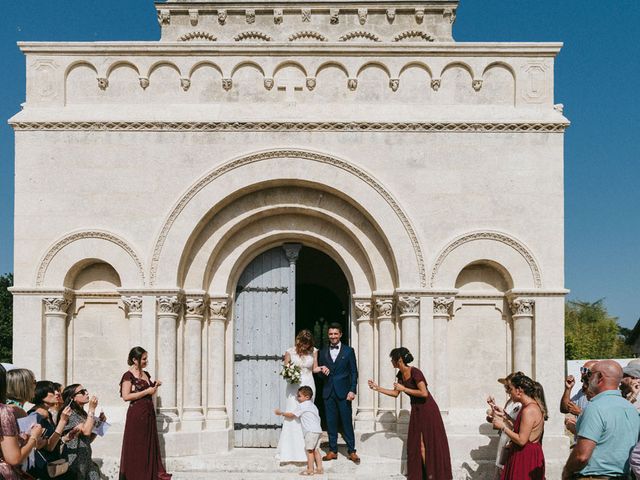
[522, 306]
[133, 304]
[56, 304]
[218, 309]
[409, 305]
[443, 306]
[169, 304]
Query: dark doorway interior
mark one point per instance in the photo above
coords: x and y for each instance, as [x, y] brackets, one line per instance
[322, 298]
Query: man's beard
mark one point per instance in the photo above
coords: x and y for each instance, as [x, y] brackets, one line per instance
[592, 388]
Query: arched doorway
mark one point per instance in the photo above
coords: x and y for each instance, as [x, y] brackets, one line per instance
[282, 291]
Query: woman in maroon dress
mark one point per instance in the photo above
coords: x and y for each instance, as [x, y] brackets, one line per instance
[526, 459]
[140, 458]
[427, 446]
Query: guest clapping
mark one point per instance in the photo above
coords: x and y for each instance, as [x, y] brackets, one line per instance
[79, 447]
[14, 448]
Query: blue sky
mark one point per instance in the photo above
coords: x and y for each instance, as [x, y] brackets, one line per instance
[597, 77]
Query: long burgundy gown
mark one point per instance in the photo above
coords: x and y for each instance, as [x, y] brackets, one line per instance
[527, 461]
[140, 459]
[425, 422]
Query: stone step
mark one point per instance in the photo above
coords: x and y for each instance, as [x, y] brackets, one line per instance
[257, 463]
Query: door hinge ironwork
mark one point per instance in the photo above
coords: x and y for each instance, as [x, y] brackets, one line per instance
[241, 288]
[239, 357]
[251, 426]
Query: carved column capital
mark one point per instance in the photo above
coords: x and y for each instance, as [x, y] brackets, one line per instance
[363, 309]
[194, 306]
[292, 250]
[133, 304]
[522, 306]
[442, 306]
[169, 304]
[409, 305]
[218, 308]
[384, 308]
[57, 304]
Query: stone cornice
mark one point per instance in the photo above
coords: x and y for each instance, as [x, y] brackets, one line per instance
[239, 126]
[448, 49]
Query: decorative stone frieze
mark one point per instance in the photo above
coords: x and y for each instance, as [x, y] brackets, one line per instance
[193, 16]
[306, 14]
[222, 16]
[362, 16]
[391, 14]
[250, 16]
[419, 15]
[334, 18]
[363, 310]
[194, 306]
[164, 17]
[384, 307]
[277, 16]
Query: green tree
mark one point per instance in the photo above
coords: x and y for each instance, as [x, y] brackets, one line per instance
[590, 332]
[6, 317]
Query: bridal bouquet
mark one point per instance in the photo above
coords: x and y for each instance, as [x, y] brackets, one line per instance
[291, 373]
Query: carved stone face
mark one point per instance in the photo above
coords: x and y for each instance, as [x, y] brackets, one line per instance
[435, 84]
[222, 17]
[394, 83]
[352, 83]
[311, 83]
[227, 83]
[268, 83]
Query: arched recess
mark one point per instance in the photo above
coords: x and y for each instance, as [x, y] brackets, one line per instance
[479, 333]
[329, 175]
[487, 246]
[78, 249]
[303, 208]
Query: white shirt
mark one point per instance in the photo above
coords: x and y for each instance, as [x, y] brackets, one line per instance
[335, 351]
[309, 416]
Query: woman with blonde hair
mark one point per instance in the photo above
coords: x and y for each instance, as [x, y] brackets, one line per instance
[304, 355]
[21, 387]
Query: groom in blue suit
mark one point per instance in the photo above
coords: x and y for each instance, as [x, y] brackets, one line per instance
[337, 363]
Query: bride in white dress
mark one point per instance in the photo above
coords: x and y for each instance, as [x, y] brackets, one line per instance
[291, 443]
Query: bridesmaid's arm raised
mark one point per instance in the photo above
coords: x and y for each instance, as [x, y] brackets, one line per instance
[374, 386]
[421, 392]
[129, 396]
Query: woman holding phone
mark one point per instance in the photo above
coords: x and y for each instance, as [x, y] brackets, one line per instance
[140, 459]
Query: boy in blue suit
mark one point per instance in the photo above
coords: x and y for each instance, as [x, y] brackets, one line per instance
[338, 364]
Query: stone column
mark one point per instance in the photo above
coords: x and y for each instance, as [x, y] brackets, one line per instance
[168, 312]
[193, 414]
[55, 317]
[292, 250]
[217, 418]
[442, 308]
[133, 308]
[386, 418]
[409, 309]
[522, 315]
[364, 415]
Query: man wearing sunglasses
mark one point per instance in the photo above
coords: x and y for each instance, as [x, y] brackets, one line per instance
[607, 429]
[576, 404]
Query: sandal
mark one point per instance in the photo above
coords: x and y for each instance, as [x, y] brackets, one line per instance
[306, 473]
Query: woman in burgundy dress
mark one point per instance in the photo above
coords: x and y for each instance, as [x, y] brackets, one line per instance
[526, 459]
[427, 446]
[140, 458]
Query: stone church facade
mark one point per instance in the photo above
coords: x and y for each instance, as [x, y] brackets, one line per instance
[168, 192]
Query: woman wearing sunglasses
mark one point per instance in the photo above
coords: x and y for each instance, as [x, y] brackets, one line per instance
[82, 423]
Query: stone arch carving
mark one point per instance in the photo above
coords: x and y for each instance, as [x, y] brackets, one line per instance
[458, 64]
[121, 64]
[378, 65]
[419, 65]
[107, 247]
[248, 64]
[164, 63]
[307, 35]
[205, 64]
[197, 36]
[296, 65]
[501, 249]
[80, 63]
[373, 197]
[336, 65]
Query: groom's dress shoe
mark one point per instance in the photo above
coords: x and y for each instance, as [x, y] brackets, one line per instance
[330, 456]
[353, 456]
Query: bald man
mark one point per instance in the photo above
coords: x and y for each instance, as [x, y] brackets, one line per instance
[607, 429]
